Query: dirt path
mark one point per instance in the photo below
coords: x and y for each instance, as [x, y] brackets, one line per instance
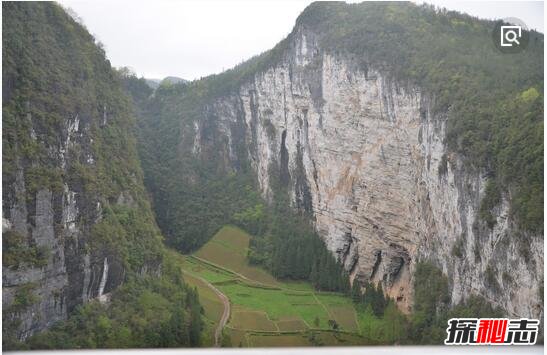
[225, 314]
[225, 302]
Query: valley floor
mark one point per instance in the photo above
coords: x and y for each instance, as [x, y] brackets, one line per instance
[268, 312]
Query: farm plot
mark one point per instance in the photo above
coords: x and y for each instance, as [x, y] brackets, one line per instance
[265, 311]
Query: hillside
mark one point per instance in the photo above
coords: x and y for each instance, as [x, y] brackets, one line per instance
[377, 172]
[398, 134]
[77, 226]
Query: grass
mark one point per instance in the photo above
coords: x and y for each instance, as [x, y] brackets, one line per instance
[238, 337]
[272, 302]
[310, 312]
[343, 312]
[339, 339]
[345, 316]
[291, 325]
[205, 271]
[212, 305]
[375, 328]
[268, 312]
[229, 248]
[252, 320]
[297, 285]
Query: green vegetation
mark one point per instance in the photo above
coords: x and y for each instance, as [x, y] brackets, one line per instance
[54, 75]
[432, 306]
[372, 297]
[267, 310]
[54, 72]
[194, 195]
[237, 242]
[492, 101]
[277, 340]
[130, 234]
[431, 303]
[252, 320]
[143, 313]
[67, 123]
[16, 252]
[24, 298]
[493, 104]
[342, 311]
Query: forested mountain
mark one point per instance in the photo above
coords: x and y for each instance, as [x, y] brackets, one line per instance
[396, 133]
[388, 151]
[77, 226]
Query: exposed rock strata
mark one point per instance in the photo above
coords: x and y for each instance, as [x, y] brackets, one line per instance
[58, 222]
[365, 155]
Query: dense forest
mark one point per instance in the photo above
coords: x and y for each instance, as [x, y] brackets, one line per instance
[54, 72]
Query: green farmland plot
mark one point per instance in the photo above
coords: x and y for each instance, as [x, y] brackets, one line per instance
[342, 311]
[228, 248]
[291, 324]
[252, 320]
[270, 312]
[205, 271]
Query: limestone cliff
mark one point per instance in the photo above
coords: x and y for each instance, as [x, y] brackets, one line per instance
[69, 173]
[365, 154]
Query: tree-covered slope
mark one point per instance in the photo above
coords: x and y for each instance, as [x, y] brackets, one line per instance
[492, 103]
[76, 220]
[198, 141]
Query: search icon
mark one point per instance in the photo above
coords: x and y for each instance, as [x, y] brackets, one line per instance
[510, 35]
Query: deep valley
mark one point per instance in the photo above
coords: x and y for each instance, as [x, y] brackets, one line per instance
[376, 173]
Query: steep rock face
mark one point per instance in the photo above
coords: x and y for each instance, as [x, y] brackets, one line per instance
[365, 155]
[72, 273]
[69, 169]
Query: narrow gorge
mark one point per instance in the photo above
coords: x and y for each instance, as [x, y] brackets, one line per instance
[364, 151]
[373, 139]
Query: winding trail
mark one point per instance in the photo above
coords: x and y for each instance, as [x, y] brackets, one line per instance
[225, 313]
[225, 302]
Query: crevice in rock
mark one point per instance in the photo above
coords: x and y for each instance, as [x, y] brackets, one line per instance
[284, 176]
[302, 190]
[377, 262]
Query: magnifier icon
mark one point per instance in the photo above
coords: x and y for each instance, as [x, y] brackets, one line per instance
[509, 35]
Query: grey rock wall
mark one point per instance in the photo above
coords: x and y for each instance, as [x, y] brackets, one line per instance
[365, 155]
[58, 222]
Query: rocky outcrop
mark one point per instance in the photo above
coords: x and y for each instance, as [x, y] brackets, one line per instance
[69, 166]
[59, 223]
[365, 155]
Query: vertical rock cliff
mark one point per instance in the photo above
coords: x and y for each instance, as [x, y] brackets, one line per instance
[73, 200]
[365, 153]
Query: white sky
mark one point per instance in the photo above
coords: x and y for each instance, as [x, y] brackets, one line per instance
[191, 39]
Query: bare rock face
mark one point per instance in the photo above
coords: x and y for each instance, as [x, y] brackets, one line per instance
[58, 223]
[365, 155]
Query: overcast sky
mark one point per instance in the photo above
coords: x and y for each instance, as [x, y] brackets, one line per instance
[191, 39]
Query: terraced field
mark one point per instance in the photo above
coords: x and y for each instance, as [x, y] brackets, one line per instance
[266, 311]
